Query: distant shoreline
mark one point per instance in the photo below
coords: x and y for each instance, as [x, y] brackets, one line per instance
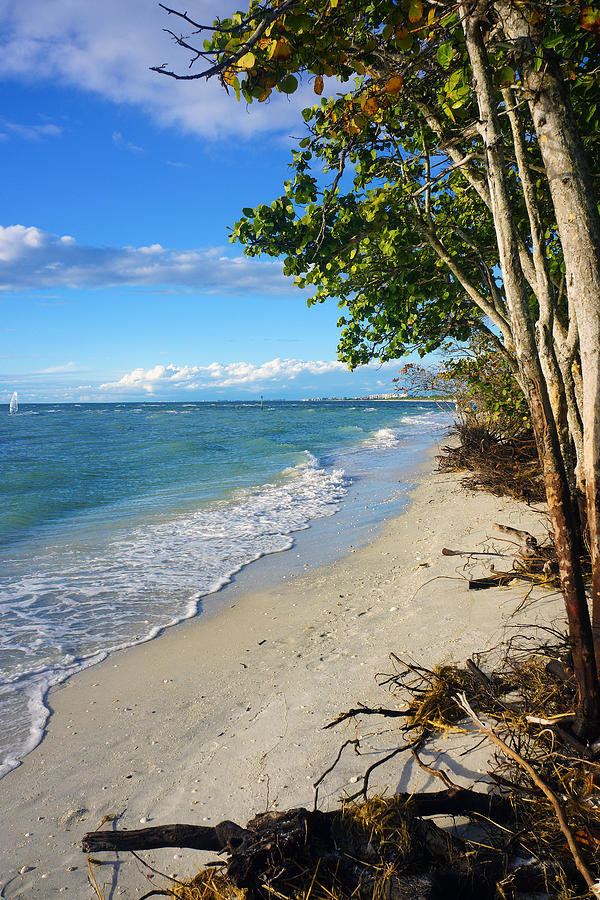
[187, 402]
[370, 400]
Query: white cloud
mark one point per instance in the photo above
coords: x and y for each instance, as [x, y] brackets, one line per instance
[31, 258]
[120, 141]
[18, 240]
[109, 47]
[161, 379]
[34, 132]
[57, 370]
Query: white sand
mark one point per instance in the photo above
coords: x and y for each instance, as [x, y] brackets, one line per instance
[219, 718]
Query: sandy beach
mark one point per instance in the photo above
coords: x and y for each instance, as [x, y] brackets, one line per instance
[222, 717]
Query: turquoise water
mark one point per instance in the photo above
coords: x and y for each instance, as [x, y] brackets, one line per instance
[116, 520]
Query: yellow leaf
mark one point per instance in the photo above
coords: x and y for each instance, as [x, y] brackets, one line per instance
[589, 18]
[281, 50]
[229, 76]
[247, 61]
[394, 85]
[318, 85]
[352, 127]
[369, 105]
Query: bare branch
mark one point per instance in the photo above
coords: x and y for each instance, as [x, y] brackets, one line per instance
[219, 67]
[592, 883]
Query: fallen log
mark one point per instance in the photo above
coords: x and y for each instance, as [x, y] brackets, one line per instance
[195, 837]
[231, 837]
[275, 851]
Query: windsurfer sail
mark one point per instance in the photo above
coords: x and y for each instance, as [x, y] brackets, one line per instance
[14, 406]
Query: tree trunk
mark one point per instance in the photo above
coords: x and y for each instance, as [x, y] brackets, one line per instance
[561, 504]
[544, 293]
[578, 222]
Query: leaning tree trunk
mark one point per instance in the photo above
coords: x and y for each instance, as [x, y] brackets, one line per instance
[561, 504]
[545, 294]
[578, 223]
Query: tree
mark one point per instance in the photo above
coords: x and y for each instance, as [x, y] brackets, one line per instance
[464, 148]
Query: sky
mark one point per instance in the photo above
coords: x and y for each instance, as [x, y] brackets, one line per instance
[117, 278]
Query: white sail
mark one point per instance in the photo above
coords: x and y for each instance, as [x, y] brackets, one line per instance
[14, 406]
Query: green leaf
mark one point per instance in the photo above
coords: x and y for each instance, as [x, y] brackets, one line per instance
[453, 81]
[288, 85]
[445, 53]
[506, 75]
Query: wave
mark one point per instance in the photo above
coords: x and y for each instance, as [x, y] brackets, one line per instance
[132, 587]
[385, 439]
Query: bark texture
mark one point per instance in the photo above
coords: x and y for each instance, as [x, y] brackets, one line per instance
[561, 504]
[578, 222]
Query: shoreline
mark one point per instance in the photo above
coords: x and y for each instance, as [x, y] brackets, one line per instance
[357, 519]
[222, 715]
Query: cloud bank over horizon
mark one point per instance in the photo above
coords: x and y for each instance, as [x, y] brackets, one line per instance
[161, 378]
[279, 377]
[31, 259]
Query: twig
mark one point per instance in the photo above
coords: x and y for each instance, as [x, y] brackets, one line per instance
[356, 744]
[368, 711]
[593, 884]
[156, 871]
[437, 773]
[269, 16]
[381, 762]
[93, 881]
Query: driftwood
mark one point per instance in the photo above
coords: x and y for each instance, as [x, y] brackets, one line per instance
[533, 561]
[498, 579]
[528, 545]
[230, 837]
[276, 849]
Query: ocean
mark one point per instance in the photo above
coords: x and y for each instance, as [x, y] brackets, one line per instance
[119, 520]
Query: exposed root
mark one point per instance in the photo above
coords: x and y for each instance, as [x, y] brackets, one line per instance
[497, 464]
[541, 822]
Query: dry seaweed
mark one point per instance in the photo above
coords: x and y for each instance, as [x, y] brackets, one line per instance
[498, 464]
[390, 847]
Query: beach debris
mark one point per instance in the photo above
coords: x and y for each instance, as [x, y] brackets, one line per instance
[496, 462]
[528, 544]
[540, 818]
[532, 562]
[382, 847]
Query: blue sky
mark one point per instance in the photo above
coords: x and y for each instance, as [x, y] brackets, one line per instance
[117, 280]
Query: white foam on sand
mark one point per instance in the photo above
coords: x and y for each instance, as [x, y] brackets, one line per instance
[82, 605]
